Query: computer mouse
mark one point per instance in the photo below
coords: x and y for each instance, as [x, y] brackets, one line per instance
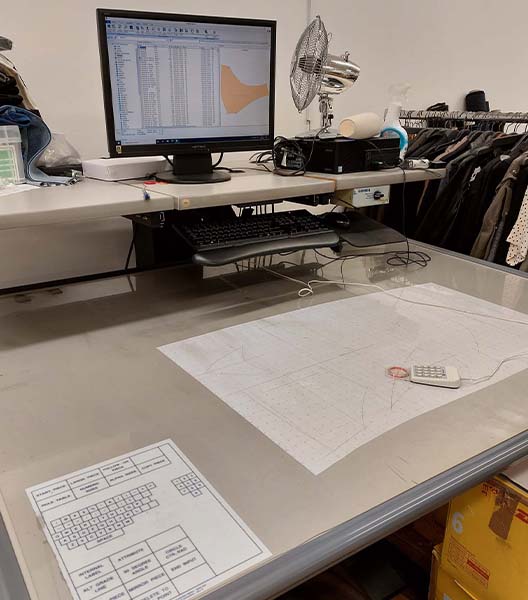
[339, 220]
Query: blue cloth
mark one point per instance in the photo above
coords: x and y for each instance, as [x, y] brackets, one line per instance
[35, 138]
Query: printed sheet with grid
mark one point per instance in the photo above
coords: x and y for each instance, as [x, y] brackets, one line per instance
[138, 527]
[314, 380]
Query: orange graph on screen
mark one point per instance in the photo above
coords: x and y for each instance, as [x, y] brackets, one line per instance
[236, 95]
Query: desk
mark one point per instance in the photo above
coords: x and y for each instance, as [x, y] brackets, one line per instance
[254, 186]
[82, 381]
[92, 199]
[82, 201]
[350, 181]
[245, 188]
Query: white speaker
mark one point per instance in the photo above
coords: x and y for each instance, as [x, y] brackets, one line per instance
[117, 169]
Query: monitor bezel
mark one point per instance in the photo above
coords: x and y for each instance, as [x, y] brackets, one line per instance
[190, 146]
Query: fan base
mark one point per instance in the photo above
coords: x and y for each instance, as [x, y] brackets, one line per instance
[322, 134]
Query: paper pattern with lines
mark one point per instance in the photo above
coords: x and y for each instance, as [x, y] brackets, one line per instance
[313, 380]
[143, 526]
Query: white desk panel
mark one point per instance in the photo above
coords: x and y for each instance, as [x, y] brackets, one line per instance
[91, 199]
[244, 188]
[350, 181]
[87, 199]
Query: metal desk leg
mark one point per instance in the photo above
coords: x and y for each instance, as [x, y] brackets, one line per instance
[12, 586]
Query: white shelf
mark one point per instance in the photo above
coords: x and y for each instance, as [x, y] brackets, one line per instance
[90, 199]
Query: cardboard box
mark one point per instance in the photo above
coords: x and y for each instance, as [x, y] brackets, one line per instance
[442, 586]
[448, 588]
[485, 548]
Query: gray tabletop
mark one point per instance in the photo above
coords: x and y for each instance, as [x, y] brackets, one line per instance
[82, 381]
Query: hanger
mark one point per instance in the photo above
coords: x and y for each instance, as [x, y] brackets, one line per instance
[521, 145]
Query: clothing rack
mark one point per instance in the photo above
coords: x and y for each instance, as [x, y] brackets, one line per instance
[464, 116]
[480, 207]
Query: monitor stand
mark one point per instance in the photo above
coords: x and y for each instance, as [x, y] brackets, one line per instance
[192, 168]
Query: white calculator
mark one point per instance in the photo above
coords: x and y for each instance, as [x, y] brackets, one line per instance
[435, 375]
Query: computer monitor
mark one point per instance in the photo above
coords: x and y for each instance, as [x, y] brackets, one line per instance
[186, 86]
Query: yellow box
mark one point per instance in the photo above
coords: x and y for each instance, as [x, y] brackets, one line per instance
[448, 588]
[443, 586]
[485, 548]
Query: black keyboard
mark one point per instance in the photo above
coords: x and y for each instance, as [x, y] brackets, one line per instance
[222, 239]
[204, 234]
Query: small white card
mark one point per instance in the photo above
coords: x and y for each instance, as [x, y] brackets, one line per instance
[143, 526]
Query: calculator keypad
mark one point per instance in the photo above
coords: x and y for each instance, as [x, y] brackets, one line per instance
[430, 372]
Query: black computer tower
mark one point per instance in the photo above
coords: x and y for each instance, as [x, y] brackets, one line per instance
[342, 155]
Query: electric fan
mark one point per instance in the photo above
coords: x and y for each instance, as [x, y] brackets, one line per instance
[314, 71]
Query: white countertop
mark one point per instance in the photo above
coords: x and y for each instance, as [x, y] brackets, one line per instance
[87, 199]
[94, 199]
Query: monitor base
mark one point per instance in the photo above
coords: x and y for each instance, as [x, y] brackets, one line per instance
[212, 177]
[196, 167]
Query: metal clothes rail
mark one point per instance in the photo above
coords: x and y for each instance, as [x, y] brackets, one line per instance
[464, 116]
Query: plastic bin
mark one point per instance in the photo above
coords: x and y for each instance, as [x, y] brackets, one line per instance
[11, 162]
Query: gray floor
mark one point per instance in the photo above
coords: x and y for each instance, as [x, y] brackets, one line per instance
[12, 585]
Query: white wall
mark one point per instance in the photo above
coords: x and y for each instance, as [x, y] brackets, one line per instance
[57, 53]
[55, 49]
[443, 49]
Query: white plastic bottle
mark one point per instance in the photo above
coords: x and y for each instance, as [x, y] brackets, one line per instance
[392, 126]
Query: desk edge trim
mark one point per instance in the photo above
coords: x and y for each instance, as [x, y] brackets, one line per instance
[287, 570]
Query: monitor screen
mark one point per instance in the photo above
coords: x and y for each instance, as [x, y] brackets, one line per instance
[175, 80]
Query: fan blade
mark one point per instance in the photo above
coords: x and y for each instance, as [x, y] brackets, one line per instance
[309, 58]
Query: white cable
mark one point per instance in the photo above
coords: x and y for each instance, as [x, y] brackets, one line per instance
[502, 362]
[138, 186]
[308, 290]
[284, 276]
